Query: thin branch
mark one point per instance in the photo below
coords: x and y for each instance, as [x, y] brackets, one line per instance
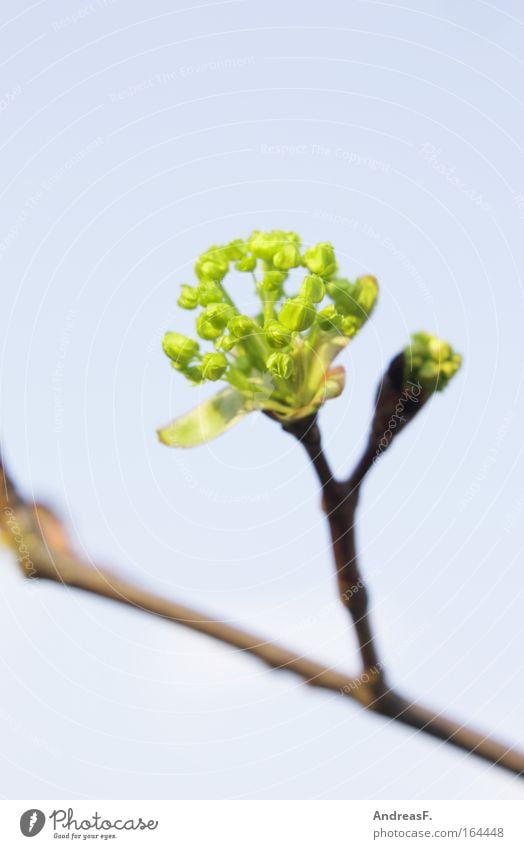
[43, 551]
[339, 503]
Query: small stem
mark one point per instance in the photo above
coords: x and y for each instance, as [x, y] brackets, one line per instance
[339, 505]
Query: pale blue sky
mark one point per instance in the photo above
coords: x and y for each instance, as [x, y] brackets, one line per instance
[132, 138]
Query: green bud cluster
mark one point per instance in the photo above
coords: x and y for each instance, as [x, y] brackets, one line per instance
[431, 361]
[304, 309]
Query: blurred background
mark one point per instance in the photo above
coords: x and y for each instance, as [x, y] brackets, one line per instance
[133, 137]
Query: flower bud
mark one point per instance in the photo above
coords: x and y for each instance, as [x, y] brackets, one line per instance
[211, 323]
[209, 293]
[179, 348]
[320, 259]
[272, 281]
[329, 319]
[235, 250]
[297, 314]
[281, 365]
[350, 325]
[213, 264]
[226, 343]
[188, 299]
[313, 288]
[213, 366]
[241, 325]
[432, 361]
[277, 335]
[288, 256]
[263, 245]
[247, 263]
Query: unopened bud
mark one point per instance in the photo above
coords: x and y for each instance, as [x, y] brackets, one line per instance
[213, 366]
[209, 293]
[213, 264]
[320, 259]
[313, 288]
[241, 325]
[213, 320]
[431, 361]
[188, 299]
[281, 365]
[277, 335]
[288, 256]
[297, 314]
[272, 281]
[179, 348]
[247, 263]
[350, 325]
[329, 319]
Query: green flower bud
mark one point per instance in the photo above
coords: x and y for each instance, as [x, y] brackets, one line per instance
[329, 319]
[320, 259]
[297, 314]
[213, 264]
[272, 281]
[247, 263]
[235, 250]
[287, 257]
[439, 350]
[241, 325]
[209, 293]
[267, 245]
[281, 365]
[213, 366]
[188, 299]
[432, 361]
[179, 348]
[313, 288]
[277, 335]
[211, 323]
[226, 343]
[350, 325]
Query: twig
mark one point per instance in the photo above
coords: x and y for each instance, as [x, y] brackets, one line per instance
[44, 552]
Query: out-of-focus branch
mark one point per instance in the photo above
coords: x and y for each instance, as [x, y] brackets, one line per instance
[43, 551]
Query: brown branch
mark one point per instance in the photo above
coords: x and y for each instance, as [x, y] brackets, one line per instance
[40, 543]
[339, 502]
[398, 401]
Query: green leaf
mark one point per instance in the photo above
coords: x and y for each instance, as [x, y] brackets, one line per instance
[205, 422]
